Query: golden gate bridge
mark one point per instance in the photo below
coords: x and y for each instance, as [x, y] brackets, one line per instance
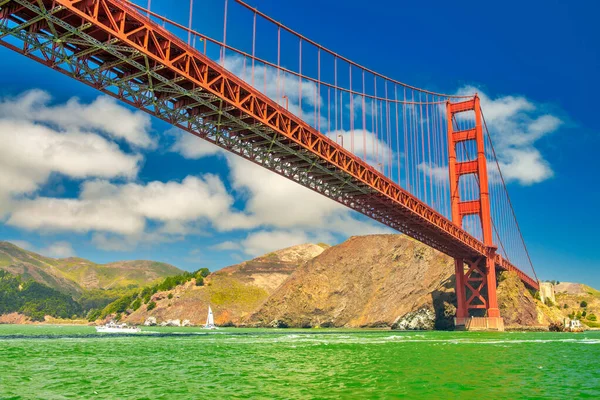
[420, 162]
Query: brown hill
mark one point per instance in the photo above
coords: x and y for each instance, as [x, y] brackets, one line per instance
[365, 281]
[233, 292]
[368, 281]
[74, 275]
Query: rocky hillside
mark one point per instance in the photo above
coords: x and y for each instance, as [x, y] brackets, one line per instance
[367, 281]
[579, 301]
[75, 275]
[233, 292]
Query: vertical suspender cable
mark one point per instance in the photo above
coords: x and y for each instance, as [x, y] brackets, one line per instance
[397, 135]
[190, 22]
[224, 34]
[300, 77]
[253, 46]
[351, 111]
[364, 118]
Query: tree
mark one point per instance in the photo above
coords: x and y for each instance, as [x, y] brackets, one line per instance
[583, 304]
[584, 313]
[578, 315]
[136, 304]
[151, 305]
[203, 272]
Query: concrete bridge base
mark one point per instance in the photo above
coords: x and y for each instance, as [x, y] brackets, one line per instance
[479, 324]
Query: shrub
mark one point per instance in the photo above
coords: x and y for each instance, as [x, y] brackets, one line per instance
[578, 315]
[549, 302]
[94, 314]
[583, 304]
[200, 281]
[565, 306]
[536, 295]
[584, 313]
[203, 272]
[136, 304]
[151, 306]
[170, 296]
[592, 317]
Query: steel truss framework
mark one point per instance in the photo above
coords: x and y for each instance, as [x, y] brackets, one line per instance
[110, 46]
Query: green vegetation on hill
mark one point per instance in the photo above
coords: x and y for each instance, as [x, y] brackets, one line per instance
[76, 275]
[134, 299]
[34, 299]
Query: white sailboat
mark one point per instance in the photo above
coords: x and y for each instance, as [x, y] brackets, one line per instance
[210, 320]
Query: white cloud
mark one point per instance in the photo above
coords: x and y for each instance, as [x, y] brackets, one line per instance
[191, 146]
[516, 125]
[438, 173]
[59, 250]
[126, 209]
[225, 246]
[23, 244]
[103, 115]
[31, 152]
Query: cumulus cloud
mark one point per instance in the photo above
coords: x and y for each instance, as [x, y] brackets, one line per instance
[59, 250]
[516, 125]
[22, 244]
[190, 146]
[225, 246]
[111, 210]
[103, 115]
[32, 151]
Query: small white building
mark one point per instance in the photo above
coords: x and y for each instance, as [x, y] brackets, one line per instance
[572, 324]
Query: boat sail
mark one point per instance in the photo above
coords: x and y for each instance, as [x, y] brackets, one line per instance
[210, 320]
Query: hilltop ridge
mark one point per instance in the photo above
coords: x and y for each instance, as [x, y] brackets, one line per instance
[75, 275]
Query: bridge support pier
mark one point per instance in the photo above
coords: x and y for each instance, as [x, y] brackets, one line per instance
[477, 303]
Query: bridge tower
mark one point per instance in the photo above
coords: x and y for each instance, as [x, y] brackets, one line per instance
[477, 305]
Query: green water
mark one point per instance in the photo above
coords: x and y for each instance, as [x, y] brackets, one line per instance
[54, 362]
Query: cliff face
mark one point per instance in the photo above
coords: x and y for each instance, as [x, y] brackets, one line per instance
[367, 281]
[233, 292]
[517, 305]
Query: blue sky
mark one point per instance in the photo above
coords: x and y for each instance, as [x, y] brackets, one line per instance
[544, 52]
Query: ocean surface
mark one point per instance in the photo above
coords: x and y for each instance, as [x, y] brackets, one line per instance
[64, 362]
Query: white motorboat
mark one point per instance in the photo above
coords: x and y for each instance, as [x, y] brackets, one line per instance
[113, 327]
[210, 320]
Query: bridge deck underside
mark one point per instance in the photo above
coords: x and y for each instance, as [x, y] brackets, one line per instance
[111, 47]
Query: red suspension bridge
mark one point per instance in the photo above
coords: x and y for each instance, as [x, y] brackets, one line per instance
[418, 161]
